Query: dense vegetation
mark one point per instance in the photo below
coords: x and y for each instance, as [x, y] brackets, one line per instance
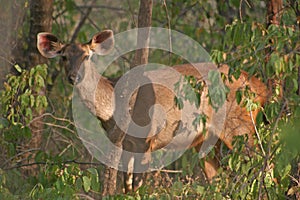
[233, 32]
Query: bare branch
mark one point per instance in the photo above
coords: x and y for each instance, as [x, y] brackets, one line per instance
[131, 13]
[81, 195]
[257, 134]
[82, 21]
[18, 155]
[52, 163]
[169, 27]
[104, 7]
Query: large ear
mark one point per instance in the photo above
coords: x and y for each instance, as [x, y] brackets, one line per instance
[48, 45]
[102, 43]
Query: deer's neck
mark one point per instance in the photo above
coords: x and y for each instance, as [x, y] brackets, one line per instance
[96, 92]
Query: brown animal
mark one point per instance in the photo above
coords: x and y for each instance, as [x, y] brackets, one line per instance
[98, 97]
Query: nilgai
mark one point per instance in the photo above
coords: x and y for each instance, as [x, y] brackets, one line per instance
[238, 121]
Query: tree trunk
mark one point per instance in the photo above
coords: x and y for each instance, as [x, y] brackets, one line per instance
[295, 5]
[141, 111]
[274, 14]
[40, 21]
[141, 57]
[144, 21]
[9, 27]
[111, 171]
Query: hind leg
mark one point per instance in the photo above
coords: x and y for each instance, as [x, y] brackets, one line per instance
[128, 163]
[211, 164]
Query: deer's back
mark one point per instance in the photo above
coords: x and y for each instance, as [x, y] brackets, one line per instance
[155, 105]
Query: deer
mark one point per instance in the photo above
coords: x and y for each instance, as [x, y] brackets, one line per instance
[238, 121]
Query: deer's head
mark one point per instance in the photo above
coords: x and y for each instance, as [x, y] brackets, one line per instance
[74, 54]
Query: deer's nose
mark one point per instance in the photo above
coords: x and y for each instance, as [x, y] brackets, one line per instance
[74, 78]
[71, 79]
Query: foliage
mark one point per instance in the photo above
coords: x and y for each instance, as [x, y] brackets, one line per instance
[65, 182]
[19, 100]
[188, 89]
[21, 94]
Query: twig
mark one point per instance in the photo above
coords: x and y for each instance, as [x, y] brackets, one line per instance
[54, 117]
[57, 126]
[131, 14]
[19, 154]
[65, 149]
[169, 30]
[6, 60]
[104, 7]
[52, 163]
[257, 134]
[294, 179]
[240, 11]
[241, 8]
[82, 21]
[168, 171]
[84, 196]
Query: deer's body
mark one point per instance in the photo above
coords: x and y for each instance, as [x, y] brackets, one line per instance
[99, 99]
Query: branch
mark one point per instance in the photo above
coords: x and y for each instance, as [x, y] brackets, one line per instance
[80, 195]
[257, 134]
[104, 7]
[169, 27]
[52, 163]
[19, 154]
[168, 171]
[132, 14]
[143, 38]
[82, 21]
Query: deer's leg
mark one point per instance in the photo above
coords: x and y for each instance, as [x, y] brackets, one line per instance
[141, 165]
[211, 167]
[211, 164]
[138, 180]
[128, 161]
[133, 180]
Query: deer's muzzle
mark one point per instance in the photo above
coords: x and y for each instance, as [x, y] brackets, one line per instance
[74, 78]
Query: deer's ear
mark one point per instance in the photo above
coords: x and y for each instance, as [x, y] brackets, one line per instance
[48, 45]
[102, 43]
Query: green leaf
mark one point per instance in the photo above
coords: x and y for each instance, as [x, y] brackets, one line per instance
[32, 100]
[78, 183]
[11, 149]
[200, 189]
[230, 163]
[216, 90]
[26, 132]
[44, 101]
[39, 81]
[3, 123]
[200, 118]
[42, 70]
[59, 184]
[178, 102]
[39, 157]
[24, 100]
[86, 183]
[259, 117]
[95, 184]
[18, 68]
[238, 96]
